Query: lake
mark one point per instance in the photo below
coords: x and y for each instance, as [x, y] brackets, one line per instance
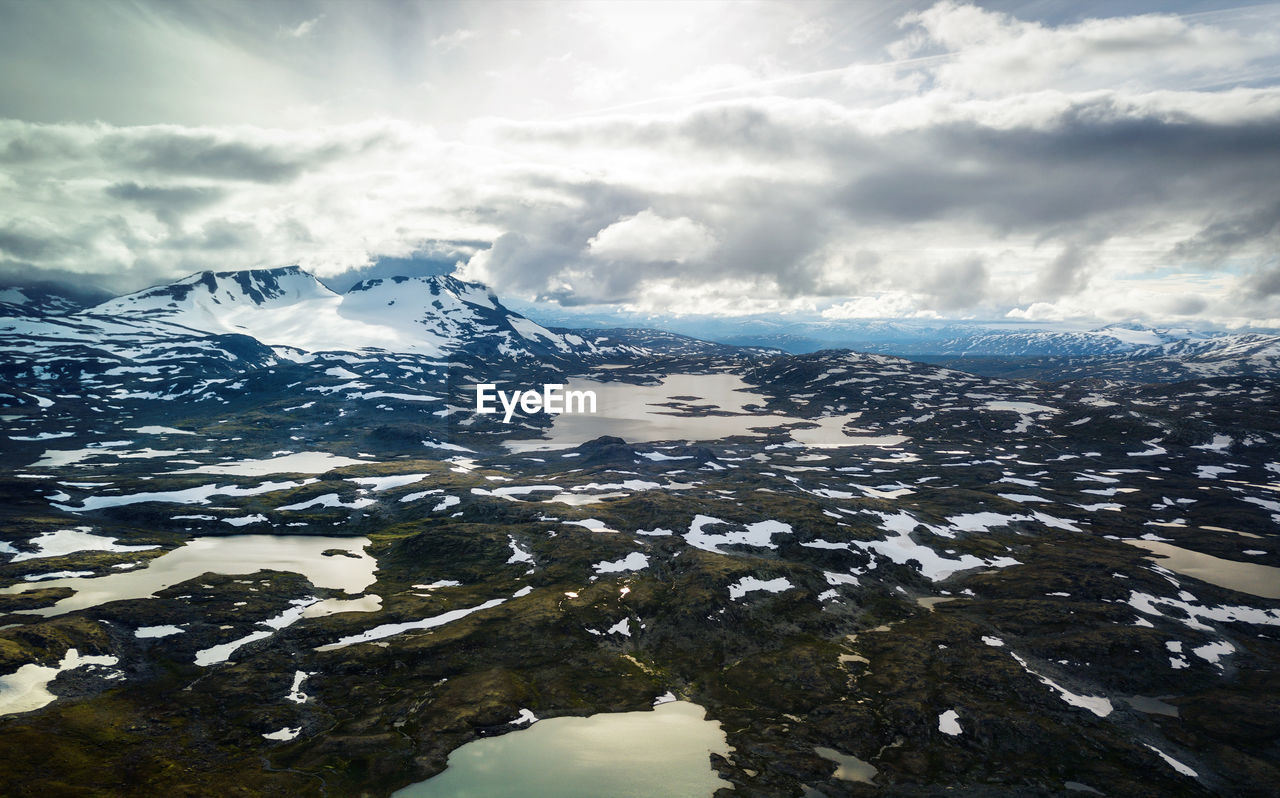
[231, 554]
[1246, 577]
[663, 752]
[675, 410]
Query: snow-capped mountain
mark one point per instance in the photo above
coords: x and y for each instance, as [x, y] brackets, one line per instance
[626, 343]
[288, 307]
[1247, 354]
[30, 301]
[411, 339]
[126, 358]
[293, 315]
[928, 338]
[1112, 339]
[1137, 335]
[1220, 355]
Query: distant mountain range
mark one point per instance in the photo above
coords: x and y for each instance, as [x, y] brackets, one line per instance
[1035, 343]
[1224, 355]
[290, 312]
[194, 339]
[1125, 351]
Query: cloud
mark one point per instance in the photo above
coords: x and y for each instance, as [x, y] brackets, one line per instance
[136, 204]
[168, 203]
[1263, 283]
[807, 33]
[303, 28]
[647, 237]
[892, 304]
[29, 243]
[1043, 196]
[1068, 274]
[1231, 231]
[970, 163]
[214, 154]
[959, 286]
[984, 209]
[452, 40]
[1039, 311]
[993, 52]
[1187, 305]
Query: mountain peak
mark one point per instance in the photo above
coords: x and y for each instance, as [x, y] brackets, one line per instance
[256, 285]
[288, 307]
[433, 282]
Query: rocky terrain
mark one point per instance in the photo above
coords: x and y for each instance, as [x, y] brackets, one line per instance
[244, 562]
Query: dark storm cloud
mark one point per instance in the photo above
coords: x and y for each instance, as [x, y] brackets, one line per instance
[777, 226]
[1072, 178]
[1263, 283]
[1092, 160]
[30, 246]
[1222, 237]
[168, 203]
[25, 144]
[1188, 306]
[959, 286]
[764, 226]
[225, 234]
[1086, 164]
[16, 274]
[206, 155]
[1067, 275]
[234, 154]
[1083, 170]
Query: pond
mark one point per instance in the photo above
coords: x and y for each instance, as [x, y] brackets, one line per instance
[848, 766]
[1246, 577]
[350, 572]
[676, 409]
[296, 463]
[664, 752]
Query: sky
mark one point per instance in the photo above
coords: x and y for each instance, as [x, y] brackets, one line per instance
[1056, 162]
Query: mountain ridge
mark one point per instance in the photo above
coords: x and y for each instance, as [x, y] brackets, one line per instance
[440, 316]
[289, 307]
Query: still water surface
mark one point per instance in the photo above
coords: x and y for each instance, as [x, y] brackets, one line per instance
[675, 410]
[664, 752]
[231, 554]
[1246, 577]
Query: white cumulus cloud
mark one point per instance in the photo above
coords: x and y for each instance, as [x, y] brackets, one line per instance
[648, 237]
[891, 304]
